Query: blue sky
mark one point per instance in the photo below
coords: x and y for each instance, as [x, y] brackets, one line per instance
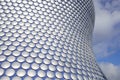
[106, 37]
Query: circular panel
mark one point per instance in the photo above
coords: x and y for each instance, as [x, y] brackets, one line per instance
[10, 72]
[25, 65]
[2, 58]
[21, 72]
[50, 74]
[41, 73]
[58, 75]
[5, 64]
[5, 78]
[1, 71]
[16, 78]
[31, 73]
[43, 66]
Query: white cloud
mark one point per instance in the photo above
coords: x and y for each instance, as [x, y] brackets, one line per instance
[101, 50]
[111, 71]
[113, 5]
[107, 16]
[106, 37]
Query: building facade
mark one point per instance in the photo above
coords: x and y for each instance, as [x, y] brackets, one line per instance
[47, 40]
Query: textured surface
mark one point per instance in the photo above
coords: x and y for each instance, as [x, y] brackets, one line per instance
[49, 39]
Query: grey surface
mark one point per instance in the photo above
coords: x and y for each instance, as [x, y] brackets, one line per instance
[47, 39]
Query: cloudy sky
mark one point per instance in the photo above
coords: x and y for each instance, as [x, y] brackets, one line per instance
[106, 37]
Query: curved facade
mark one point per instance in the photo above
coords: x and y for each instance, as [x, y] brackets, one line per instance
[47, 40]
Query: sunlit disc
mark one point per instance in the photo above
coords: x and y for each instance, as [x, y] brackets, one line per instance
[56, 57]
[16, 43]
[31, 73]
[21, 72]
[41, 42]
[44, 51]
[11, 58]
[7, 52]
[23, 44]
[25, 65]
[35, 66]
[4, 78]
[28, 78]
[57, 53]
[27, 40]
[39, 46]
[4, 47]
[1, 33]
[31, 44]
[58, 75]
[43, 67]
[1, 42]
[52, 47]
[28, 49]
[33, 54]
[1, 71]
[41, 55]
[16, 53]
[15, 65]
[20, 48]
[66, 76]
[73, 76]
[54, 62]
[50, 74]
[5, 38]
[12, 38]
[51, 52]
[38, 60]
[52, 67]
[23, 35]
[29, 59]
[46, 61]
[16, 78]
[10, 72]
[41, 73]
[34, 41]
[46, 47]
[16, 35]
[60, 63]
[48, 56]
[59, 68]
[25, 54]
[20, 59]
[11, 48]
[38, 78]
[5, 64]
[2, 57]
[36, 50]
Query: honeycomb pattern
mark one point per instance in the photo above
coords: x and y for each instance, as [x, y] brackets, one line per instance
[47, 40]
